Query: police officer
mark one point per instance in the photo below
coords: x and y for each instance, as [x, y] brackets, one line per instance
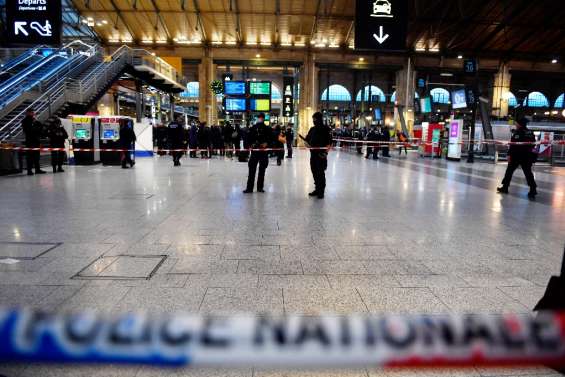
[372, 148]
[521, 155]
[259, 137]
[127, 139]
[57, 137]
[319, 137]
[176, 139]
[32, 132]
[289, 134]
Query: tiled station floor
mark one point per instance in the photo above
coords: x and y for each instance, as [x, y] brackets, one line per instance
[405, 234]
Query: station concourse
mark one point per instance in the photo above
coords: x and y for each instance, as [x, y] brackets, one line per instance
[422, 102]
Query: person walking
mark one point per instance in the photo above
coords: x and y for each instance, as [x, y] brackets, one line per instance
[521, 154]
[289, 134]
[32, 131]
[176, 139]
[259, 137]
[57, 137]
[278, 143]
[319, 139]
[402, 139]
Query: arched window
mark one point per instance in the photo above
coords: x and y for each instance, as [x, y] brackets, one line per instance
[275, 93]
[393, 97]
[511, 98]
[337, 93]
[192, 90]
[375, 91]
[559, 101]
[440, 95]
[536, 99]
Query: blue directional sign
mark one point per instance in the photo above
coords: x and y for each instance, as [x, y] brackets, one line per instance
[381, 25]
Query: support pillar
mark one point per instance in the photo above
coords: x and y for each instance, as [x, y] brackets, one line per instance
[308, 94]
[405, 88]
[207, 111]
[500, 91]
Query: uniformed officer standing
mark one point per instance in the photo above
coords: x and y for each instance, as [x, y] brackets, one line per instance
[521, 155]
[319, 139]
[57, 137]
[259, 137]
[372, 148]
[176, 139]
[32, 132]
[127, 144]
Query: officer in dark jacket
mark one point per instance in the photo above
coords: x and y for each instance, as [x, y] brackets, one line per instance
[127, 140]
[372, 148]
[193, 140]
[319, 138]
[176, 138]
[32, 132]
[259, 137]
[57, 137]
[289, 134]
[386, 138]
[521, 155]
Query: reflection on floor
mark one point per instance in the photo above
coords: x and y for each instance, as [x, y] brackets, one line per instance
[399, 235]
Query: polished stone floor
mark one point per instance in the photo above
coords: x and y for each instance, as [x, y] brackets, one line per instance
[399, 235]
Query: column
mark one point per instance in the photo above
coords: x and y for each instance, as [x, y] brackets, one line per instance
[207, 111]
[405, 88]
[308, 94]
[500, 91]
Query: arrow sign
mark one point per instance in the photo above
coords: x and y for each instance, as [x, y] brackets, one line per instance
[19, 28]
[380, 38]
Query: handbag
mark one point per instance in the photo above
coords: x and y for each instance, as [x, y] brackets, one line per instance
[282, 139]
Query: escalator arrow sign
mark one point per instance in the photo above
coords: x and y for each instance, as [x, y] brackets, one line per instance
[19, 28]
[381, 38]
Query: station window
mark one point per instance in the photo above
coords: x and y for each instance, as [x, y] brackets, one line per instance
[559, 101]
[536, 99]
[393, 97]
[512, 102]
[275, 93]
[375, 91]
[192, 90]
[440, 95]
[336, 93]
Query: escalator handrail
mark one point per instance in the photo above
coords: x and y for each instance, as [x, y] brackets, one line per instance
[28, 71]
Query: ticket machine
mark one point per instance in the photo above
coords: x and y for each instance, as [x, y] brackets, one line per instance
[110, 138]
[455, 139]
[85, 130]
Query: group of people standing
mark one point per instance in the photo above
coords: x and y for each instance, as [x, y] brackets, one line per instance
[225, 140]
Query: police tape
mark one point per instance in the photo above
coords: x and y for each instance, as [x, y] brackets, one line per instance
[323, 341]
[416, 142]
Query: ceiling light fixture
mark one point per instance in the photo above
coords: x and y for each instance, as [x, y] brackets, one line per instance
[554, 61]
[361, 59]
[265, 43]
[231, 43]
[459, 56]
[446, 74]
[251, 43]
[258, 56]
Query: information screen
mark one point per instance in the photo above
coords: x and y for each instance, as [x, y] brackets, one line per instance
[81, 133]
[260, 88]
[426, 105]
[109, 134]
[260, 105]
[234, 88]
[458, 100]
[235, 104]
[378, 114]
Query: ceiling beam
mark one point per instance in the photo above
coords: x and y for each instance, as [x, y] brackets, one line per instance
[277, 15]
[160, 18]
[199, 21]
[237, 22]
[315, 24]
[121, 17]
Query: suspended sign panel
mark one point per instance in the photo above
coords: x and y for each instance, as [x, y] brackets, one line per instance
[381, 25]
[288, 96]
[33, 22]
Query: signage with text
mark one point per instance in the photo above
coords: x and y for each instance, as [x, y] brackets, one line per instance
[381, 25]
[288, 96]
[33, 22]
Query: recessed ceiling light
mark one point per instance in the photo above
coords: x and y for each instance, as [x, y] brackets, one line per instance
[446, 74]
[554, 61]
[258, 55]
[361, 59]
[459, 56]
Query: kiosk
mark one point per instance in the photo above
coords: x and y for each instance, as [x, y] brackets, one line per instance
[455, 140]
[85, 131]
[110, 138]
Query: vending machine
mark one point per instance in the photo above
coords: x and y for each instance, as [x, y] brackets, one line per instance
[110, 138]
[455, 139]
[431, 134]
[85, 131]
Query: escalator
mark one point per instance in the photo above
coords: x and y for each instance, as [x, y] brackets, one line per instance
[14, 66]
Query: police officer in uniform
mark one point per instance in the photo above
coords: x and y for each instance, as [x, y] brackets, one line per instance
[372, 148]
[127, 143]
[289, 134]
[57, 137]
[319, 137]
[32, 132]
[521, 155]
[176, 138]
[259, 137]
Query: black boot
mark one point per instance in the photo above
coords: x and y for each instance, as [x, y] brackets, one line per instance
[313, 193]
[533, 192]
[502, 189]
[54, 169]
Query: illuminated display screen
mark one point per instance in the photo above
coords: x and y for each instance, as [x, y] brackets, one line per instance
[458, 100]
[81, 133]
[235, 104]
[109, 134]
[260, 105]
[234, 88]
[260, 88]
[378, 114]
[426, 105]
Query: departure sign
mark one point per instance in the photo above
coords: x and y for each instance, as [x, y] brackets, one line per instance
[33, 22]
[380, 25]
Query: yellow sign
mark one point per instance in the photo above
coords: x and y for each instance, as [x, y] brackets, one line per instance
[81, 119]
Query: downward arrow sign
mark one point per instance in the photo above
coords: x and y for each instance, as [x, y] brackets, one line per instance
[380, 38]
[19, 28]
